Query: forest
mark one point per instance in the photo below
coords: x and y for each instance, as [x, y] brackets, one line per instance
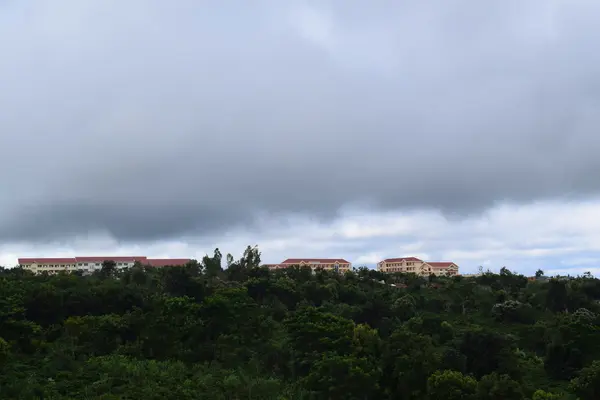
[229, 329]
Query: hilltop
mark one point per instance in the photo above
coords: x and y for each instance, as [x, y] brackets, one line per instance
[206, 331]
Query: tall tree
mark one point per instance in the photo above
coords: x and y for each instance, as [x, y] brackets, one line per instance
[212, 265]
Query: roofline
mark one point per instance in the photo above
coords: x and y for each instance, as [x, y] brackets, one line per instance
[94, 259]
[332, 260]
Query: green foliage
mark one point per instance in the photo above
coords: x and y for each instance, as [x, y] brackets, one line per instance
[542, 395]
[587, 384]
[513, 311]
[335, 376]
[239, 331]
[4, 351]
[451, 385]
[499, 387]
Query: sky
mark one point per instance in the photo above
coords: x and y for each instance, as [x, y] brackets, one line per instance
[449, 130]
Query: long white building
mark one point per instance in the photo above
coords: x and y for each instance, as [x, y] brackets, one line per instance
[91, 264]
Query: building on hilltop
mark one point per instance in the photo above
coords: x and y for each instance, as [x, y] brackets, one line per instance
[443, 268]
[50, 265]
[271, 266]
[91, 264]
[417, 266]
[331, 264]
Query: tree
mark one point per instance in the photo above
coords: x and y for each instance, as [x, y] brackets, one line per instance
[311, 333]
[499, 387]
[251, 257]
[212, 265]
[513, 311]
[109, 268]
[343, 377]
[405, 307]
[246, 333]
[451, 385]
[543, 395]
[4, 351]
[408, 361]
[487, 351]
[539, 273]
[587, 384]
[556, 298]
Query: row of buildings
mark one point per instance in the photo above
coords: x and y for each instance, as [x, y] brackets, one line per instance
[389, 265]
[91, 264]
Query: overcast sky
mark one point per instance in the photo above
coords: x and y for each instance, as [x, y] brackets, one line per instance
[453, 130]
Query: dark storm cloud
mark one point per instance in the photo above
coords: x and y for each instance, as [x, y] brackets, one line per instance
[150, 119]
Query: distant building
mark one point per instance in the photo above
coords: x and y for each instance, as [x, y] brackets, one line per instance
[539, 278]
[331, 264]
[443, 268]
[91, 264]
[271, 266]
[417, 266]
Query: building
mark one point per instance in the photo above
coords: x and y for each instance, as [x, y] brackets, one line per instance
[443, 268]
[271, 266]
[417, 266]
[331, 264]
[91, 264]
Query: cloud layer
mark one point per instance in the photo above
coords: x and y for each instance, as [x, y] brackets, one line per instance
[145, 120]
[556, 237]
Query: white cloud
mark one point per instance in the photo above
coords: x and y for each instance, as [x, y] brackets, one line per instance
[370, 258]
[582, 261]
[560, 238]
[572, 271]
[510, 86]
[315, 26]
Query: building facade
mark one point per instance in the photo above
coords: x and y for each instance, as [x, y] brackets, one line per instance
[417, 266]
[91, 264]
[330, 264]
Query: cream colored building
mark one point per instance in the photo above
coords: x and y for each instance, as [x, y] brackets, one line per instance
[417, 266]
[90, 264]
[49, 265]
[331, 264]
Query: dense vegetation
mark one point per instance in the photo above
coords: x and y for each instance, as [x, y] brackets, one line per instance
[243, 332]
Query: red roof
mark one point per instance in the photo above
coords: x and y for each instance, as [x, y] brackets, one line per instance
[112, 258]
[296, 261]
[47, 260]
[441, 264]
[403, 259]
[156, 262]
[166, 262]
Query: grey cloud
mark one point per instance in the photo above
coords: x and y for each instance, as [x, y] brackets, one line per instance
[151, 120]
